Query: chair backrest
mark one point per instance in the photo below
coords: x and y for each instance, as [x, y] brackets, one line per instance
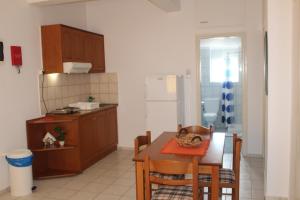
[141, 141]
[197, 129]
[171, 167]
[237, 147]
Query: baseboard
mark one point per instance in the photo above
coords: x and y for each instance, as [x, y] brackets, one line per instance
[4, 191]
[125, 148]
[276, 198]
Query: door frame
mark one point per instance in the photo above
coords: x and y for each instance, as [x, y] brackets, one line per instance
[242, 35]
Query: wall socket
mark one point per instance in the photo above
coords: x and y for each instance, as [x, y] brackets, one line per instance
[1, 52]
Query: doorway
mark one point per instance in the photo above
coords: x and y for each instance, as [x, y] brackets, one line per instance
[221, 85]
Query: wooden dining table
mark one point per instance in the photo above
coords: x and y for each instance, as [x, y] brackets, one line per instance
[210, 163]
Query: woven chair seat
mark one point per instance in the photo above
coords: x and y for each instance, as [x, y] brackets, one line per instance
[165, 176]
[173, 193]
[226, 177]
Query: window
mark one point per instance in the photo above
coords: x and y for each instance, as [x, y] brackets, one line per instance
[224, 66]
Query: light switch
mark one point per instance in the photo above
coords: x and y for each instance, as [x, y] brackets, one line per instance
[1, 52]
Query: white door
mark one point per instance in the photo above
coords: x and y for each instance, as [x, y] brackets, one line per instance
[161, 116]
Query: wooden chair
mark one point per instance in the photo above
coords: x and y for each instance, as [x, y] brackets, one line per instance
[140, 141]
[183, 189]
[145, 140]
[229, 178]
[197, 129]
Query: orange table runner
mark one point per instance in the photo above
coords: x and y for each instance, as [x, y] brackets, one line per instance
[172, 147]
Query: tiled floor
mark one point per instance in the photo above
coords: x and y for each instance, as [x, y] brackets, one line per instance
[251, 178]
[113, 178]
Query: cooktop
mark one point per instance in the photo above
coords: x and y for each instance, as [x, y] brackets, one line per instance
[65, 110]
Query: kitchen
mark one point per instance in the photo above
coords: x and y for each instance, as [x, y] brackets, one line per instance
[121, 56]
[67, 51]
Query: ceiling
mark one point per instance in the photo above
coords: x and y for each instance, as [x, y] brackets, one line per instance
[53, 2]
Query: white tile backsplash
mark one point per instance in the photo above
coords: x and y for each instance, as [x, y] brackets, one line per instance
[105, 87]
[59, 90]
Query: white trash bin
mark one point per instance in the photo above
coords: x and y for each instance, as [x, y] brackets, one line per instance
[20, 171]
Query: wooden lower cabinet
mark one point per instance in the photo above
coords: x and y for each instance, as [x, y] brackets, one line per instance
[100, 136]
[89, 137]
[88, 128]
[111, 127]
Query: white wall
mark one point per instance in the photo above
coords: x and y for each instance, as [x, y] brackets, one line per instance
[246, 17]
[295, 141]
[255, 71]
[20, 25]
[141, 39]
[68, 14]
[220, 14]
[243, 17]
[280, 97]
[294, 165]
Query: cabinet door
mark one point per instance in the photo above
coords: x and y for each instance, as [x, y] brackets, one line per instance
[51, 48]
[88, 130]
[72, 45]
[89, 46]
[99, 60]
[111, 126]
[94, 52]
[66, 39]
[101, 132]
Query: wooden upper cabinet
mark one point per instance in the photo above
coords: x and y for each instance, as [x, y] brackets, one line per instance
[94, 52]
[73, 45]
[62, 43]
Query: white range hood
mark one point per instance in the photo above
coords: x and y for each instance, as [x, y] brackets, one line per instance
[76, 67]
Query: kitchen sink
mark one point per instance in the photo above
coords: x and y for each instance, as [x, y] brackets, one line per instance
[85, 105]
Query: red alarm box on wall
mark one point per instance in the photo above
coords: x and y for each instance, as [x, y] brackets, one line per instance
[16, 55]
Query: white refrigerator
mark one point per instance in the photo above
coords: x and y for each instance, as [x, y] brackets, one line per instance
[164, 101]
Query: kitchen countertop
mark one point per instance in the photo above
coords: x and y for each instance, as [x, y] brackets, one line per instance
[102, 107]
[82, 112]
